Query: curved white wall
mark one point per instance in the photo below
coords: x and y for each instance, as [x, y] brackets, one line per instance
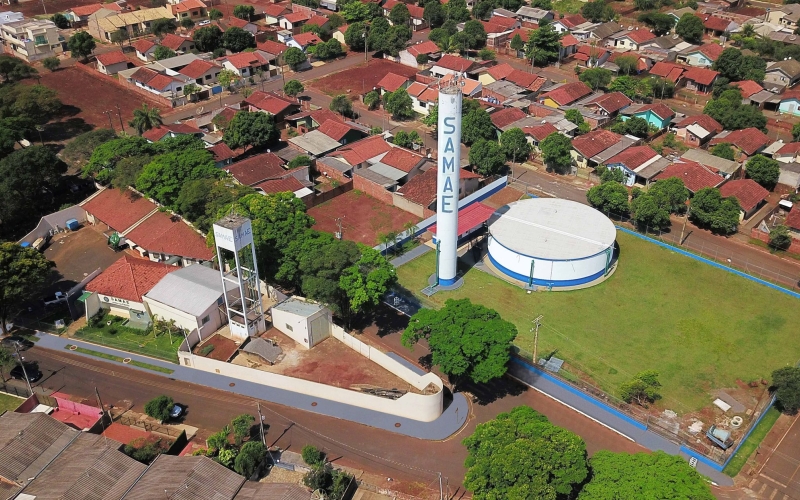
[547, 272]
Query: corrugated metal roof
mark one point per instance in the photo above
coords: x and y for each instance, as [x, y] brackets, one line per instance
[264, 349]
[298, 306]
[272, 491]
[28, 442]
[191, 289]
[315, 142]
[390, 172]
[186, 478]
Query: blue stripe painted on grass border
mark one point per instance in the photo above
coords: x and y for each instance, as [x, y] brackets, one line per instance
[580, 394]
[712, 263]
[701, 458]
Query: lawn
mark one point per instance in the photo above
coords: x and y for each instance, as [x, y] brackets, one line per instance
[119, 359]
[700, 327]
[9, 402]
[568, 6]
[131, 340]
[751, 443]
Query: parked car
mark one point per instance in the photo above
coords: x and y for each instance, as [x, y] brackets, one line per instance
[34, 374]
[16, 342]
[57, 298]
[176, 411]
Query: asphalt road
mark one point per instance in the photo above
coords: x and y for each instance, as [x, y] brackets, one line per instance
[407, 460]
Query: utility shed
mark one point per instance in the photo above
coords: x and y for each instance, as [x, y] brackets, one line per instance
[307, 323]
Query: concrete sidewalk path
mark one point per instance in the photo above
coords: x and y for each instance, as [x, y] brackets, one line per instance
[452, 419]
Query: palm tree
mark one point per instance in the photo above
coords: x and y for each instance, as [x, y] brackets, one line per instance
[145, 119]
[748, 30]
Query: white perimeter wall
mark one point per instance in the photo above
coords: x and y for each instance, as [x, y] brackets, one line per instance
[59, 219]
[546, 270]
[425, 408]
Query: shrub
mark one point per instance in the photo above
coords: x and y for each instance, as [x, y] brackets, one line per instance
[206, 350]
[312, 455]
[158, 408]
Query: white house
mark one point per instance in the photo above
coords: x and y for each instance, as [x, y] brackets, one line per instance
[144, 49]
[305, 322]
[112, 63]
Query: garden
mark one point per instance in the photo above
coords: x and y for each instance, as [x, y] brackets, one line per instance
[161, 340]
[699, 327]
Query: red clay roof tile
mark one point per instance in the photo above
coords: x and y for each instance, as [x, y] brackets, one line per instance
[694, 176]
[258, 168]
[168, 234]
[129, 278]
[595, 142]
[119, 209]
[506, 117]
[402, 159]
[392, 82]
[110, 58]
[747, 191]
[749, 140]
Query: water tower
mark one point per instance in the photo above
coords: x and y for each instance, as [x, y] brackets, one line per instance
[233, 235]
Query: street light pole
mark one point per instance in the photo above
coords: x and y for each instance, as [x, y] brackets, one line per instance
[110, 123]
[680, 241]
[24, 371]
[119, 114]
[537, 323]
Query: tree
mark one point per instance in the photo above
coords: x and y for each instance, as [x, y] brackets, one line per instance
[250, 458]
[632, 87]
[200, 201]
[723, 150]
[597, 11]
[214, 15]
[163, 177]
[690, 28]
[596, 78]
[27, 177]
[660, 22]
[60, 20]
[322, 266]
[312, 455]
[373, 99]
[187, 23]
[119, 37]
[487, 54]
[735, 66]
[433, 13]
[520, 454]
[556, 149]
[253, 129]
[145, 118]
[299, 161]
[796, 132]
[457, 11]
[643, 475]
[671, 194]
[763, 170]
[163, 52]
[648, 213]
[432, 119]
[162, 26]
[628, 65]
[482, 9]
[34, 103]
[354, 37]
[128, 169]
[399, 104]
[399, 14]
[407, 139]
[293, 88]
[642, 389]
[78, 151]
[633, 126]
[23, 275]
[515, 145]
[241, 427]
[786, 387]
[440, 37]
[467, 341]
[544, 45]
[367, 280]
[236, 39]
[575, 116]
[487, 157]
[219, 440]
[709, 209]
[729, 111]
[609, 197]
[542, 4]
[475, 34]
[294, 57]
[81, 44]
[159, 407]
[357, 11]
[245, 12]
[227, 78]
[7, 360]
[780, 238]
[341, 104]
[516, 43]
[14, 70]
[208, 38]
[477, 125]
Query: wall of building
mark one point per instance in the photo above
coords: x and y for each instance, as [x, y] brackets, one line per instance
[409, 206]
[297, 327]
[184, 320]
[56, 219]
[332, 173]
[375, 190]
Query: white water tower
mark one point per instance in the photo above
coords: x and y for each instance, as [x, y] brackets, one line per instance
[233, 235]
[448, 180]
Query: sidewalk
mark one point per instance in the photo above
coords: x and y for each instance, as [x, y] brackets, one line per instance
[617, 422]
[451, 420]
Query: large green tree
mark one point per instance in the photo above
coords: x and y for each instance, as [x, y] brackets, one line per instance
[250, 458]
[648, 213]
[609, 197]
[321, 269]
[596, 78]
[735, 66]
[81, 44]
[12, 130]
[35, 103]
[355, 36]
[711, 210]
[399, 14]
[79, 150]
[660, 22]
[467, 341]
[399, 104]
[476, 125]
[643, 475]
[163, 178]
[367, 280]
[145, 118]
[597, 11]
[28, 177]
[763, 170]
[23, 274]
[544, 45]
[245, 12]
[254, 129]
[159, 407]
[208, 38]
[13, 69]
[556, 149]
[786, 387]
[487, 157]
[201, 200]
[515, 145]
[294, 57]
[520, 454]
[690, 28]
[237, 39]
[723, 150]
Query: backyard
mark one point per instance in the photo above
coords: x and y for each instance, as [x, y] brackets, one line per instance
[361, 78]
[9, 402]
[700, 327]
[132, 340]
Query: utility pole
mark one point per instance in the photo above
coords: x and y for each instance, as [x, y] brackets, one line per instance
[537, 323]
[261, 424]
[119, 114]
[364, 36]
[24, 371]
[689, 209]
[338, 221]
[441, 490]
[110, 123]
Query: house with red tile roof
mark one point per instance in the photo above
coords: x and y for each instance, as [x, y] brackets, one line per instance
[392, 82]
[247, 64]
[523, 33]
[201, 71]
[404, 160]
[631, 39]
[591, 55]
[111, 63]
[716, 26]
[587, 146]
[449, 64]
[289, 184]
[223, 155]
[567, 23]
[163, 236]
[668, 71]
[694, 175]
[144, 49]
[421, 189]
[642, 63]
[273, 12]
[257, 168]
[171, 130]
[498, 72]
[748, 193]
[609, 104]
[502, 119]
[748, 141]
[359, 153]
[699, 79]
[177, 43]
[422, 97]
[117, 210]
[703, 56]
[528, 81]
[747, 88]
[267, 102]
[155, 82]
[697, 130]
[303, 41]
[657, 115]
[120, 287]
[189, 9]
[793, 220]
[788, 153]
[408, 57]
[565, 94]
[639, 164]
[248, 26]
[272, 48]
[341, 132]
[81, 13]
[539, 133]
[293, 20]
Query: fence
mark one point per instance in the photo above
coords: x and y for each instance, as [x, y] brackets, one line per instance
[149, 426]
[323, 197]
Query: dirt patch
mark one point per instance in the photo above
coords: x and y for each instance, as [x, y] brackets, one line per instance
[361, 78]
[363, 217]
[86, 99]
[223, 348]
[502, 197]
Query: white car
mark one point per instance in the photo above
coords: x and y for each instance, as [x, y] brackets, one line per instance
[204, 22]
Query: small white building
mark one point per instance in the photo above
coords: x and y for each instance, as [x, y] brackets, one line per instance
[306, 322]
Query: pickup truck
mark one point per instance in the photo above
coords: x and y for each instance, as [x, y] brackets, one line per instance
[57, 298]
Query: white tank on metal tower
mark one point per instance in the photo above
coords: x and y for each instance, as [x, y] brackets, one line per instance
[448, 178]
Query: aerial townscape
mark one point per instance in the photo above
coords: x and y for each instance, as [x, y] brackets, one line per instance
[399, 249]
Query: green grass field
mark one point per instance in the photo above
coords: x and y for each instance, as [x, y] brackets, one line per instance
[751, 443]
[9, 402]
[701, 327]
[119, 359]
[132, 340]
